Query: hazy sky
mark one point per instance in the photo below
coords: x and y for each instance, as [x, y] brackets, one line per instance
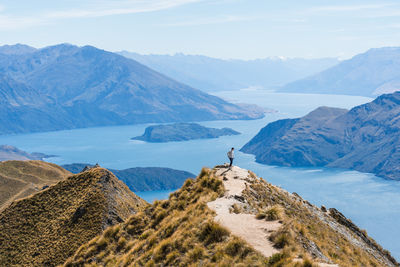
[219, 28]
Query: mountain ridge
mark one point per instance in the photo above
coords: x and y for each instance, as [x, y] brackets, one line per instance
[186, 229]
[213, 74]
[106, 89]
[371, 73]
[363, 139]
[47, 228]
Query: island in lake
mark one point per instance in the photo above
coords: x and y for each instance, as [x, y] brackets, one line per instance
[181, 132]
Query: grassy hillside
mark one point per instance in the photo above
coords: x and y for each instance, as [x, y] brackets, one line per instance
[47, 228]
[182, 231]
[175, 232]
[19, 179]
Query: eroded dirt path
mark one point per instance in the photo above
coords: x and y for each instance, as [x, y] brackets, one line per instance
[246, 226]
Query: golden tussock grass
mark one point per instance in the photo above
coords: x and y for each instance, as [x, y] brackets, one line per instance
[179, 231]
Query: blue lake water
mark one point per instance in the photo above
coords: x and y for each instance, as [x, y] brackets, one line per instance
[371, 202]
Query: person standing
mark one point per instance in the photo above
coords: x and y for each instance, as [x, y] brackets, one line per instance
[231, 156]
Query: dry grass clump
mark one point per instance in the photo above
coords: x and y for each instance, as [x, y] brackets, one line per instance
[235, 209]
[179, 231]
[271, 214]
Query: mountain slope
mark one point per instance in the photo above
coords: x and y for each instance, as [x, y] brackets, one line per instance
[46, 228]
[73, 87]
[364, 139]
[143, 178]
[212, 74]
[372, 73]
[185, 230]
[19, 179]
[12, 153]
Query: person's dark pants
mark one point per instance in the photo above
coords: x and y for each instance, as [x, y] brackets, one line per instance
[231, 159]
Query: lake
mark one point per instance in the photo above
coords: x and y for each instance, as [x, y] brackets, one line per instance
[371, 202]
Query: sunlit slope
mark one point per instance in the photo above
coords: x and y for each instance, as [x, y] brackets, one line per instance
[46, 228]
[189, 230]
[19, 179]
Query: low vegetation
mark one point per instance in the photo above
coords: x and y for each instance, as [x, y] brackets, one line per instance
[305, 231]
[19, 179]
[271, 214]
[48, 227]
[179, 231]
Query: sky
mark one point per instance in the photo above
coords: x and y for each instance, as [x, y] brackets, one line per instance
[242, 29]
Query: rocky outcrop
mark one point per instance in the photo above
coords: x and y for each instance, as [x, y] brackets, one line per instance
[181, 132]
[364, 139]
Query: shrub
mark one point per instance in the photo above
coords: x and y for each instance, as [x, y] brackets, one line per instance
[273, 213]
[280, 240]
[196, 254]
[236, 209]
[276, 258]
[234, 247]
[121, 243]
[212, 232]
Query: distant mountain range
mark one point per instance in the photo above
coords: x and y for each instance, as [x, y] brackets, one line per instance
[212, 74]
[143, 178]
[366, 139]
[66, 87]
[372, 73]
[181, 132]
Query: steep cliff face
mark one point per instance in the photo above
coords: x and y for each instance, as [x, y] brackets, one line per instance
[47, 228]
[228, 217]
[364, 139]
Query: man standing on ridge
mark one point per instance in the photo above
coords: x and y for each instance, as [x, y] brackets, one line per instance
[231, 156]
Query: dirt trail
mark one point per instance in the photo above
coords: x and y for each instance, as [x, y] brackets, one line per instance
[246, 226]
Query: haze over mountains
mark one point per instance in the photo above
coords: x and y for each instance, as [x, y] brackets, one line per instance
[65, 87]
[372, 73]
[366, 139]
[212, 74]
